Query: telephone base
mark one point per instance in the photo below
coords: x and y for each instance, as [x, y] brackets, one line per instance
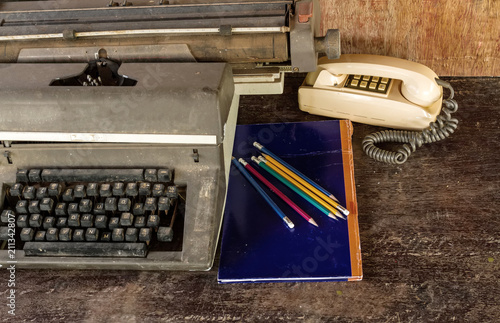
[373, 110]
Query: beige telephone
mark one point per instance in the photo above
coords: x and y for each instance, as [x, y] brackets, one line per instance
[382, 91]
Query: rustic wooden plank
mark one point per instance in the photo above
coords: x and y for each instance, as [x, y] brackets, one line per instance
[429, 240]
[452, 37]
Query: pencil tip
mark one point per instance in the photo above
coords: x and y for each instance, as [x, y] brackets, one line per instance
[331, 215]
[334, 198]
[311, 220]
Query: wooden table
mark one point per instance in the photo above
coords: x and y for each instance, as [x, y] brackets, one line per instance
[429, 236]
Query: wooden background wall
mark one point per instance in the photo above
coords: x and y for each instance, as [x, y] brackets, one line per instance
[452, 37]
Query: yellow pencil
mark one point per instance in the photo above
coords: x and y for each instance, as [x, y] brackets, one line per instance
[302, 188]
[306, 184]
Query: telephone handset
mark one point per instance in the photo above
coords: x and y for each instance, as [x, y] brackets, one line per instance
[382, 91]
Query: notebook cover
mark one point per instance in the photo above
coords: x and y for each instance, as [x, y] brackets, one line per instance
[256, 244]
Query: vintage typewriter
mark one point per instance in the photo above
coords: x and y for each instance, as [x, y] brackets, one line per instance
[117, 122]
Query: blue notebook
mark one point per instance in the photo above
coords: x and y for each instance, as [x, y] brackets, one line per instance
[256, 244]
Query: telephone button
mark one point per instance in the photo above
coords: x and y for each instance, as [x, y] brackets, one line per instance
[354, 83]
[366, 77]
[363, 84]
[373, 86]
[381, 87]
[384, 80]
[356, 77]
[375, 79]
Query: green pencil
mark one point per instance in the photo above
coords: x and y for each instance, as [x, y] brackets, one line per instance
[293, 188]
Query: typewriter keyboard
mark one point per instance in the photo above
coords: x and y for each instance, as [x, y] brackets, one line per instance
[92, 212]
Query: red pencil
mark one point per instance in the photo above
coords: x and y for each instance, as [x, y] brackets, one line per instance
[278, 192]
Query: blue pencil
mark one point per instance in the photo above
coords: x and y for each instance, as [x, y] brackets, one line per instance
[247, 175]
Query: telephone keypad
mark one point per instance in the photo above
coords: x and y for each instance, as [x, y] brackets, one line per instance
[368, 83]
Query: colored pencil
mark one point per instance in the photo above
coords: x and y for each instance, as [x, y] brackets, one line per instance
[295, 189]
[302, 188]
[278, 192]
[259, 189]
[311, 188]
[323, 193]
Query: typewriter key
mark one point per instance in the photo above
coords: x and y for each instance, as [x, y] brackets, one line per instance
[22, 221]
[27, 234]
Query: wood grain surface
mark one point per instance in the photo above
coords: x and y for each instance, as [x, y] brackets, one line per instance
[452, 37]
[429, 237]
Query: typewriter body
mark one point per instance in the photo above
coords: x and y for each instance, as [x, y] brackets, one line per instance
[117, 123]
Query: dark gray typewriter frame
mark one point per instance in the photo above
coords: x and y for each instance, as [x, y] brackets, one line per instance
[192, 98]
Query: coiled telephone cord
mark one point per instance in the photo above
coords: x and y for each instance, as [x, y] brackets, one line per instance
[438, 130]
